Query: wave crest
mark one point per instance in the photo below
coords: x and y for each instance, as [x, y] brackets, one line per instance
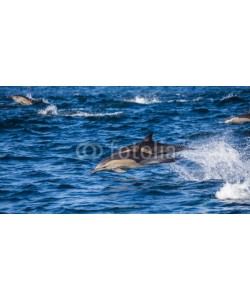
[52, 110]
[85, 114]
[143, 100]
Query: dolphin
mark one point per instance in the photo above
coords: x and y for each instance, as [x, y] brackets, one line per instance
[23, 100]
[145, 153]
[238, 119]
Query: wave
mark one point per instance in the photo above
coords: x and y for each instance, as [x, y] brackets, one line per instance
[184, 100]
[143, 100]
[217, 160]
[52, 110]
[178, 101]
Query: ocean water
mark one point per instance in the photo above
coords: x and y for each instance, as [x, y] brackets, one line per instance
[47, 150]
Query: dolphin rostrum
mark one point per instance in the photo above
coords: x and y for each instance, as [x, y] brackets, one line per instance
[238, 119]
[23, 100]
[145, 153]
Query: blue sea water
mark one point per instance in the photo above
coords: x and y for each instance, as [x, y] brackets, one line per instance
[47, 150]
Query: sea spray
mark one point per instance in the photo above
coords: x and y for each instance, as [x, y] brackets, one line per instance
[45, 101]
[234, 191]
[217, 160]
[50, 110]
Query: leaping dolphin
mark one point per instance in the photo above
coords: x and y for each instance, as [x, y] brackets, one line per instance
[238, 119]
[145, 153]
[23, 100]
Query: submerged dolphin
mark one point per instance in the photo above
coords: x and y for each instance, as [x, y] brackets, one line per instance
[23, 100]
[238, 119]
[145, 153]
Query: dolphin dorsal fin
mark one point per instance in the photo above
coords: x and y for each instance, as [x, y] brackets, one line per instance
[149, 138]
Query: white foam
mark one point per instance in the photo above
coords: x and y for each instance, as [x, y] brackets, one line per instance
[142, 100]
[85, 114]
[184, 100]
[234, 191]
[50, 110]
[217, 160]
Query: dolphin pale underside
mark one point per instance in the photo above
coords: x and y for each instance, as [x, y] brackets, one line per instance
[244, 118]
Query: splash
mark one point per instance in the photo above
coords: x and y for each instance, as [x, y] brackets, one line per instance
[29, 95]
[217, 160]
[143, 100]
[45, 101]
[234, 191]
[50, 110]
